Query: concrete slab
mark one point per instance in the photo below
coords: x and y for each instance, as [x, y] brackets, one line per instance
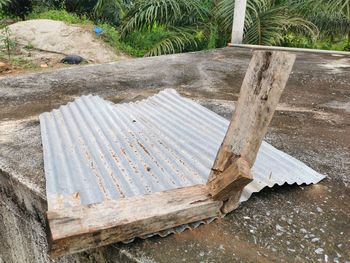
[312, 123]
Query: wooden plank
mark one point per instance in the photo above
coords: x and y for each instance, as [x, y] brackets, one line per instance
[82, 227]
[232, 180]
[261, 89]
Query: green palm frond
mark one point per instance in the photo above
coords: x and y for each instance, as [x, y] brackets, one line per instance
[330, 24]
[331, 17]
[225, 9]
[342, 6]
[177, 40]
[3, 3]
[112, 11]
[266, 22]
[118, 5]
[145, 13]
[224, 13]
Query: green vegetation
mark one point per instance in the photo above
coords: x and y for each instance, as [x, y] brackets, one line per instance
[17, 8]
[3, 3]
[110, 35]
[154, 27]
[61, 15]
[19, 62]
[7, 43]
[8, 52]
[29, 46]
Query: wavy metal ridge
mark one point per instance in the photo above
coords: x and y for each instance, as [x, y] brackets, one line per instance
[104, 151]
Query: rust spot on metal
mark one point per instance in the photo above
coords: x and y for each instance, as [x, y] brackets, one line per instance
[115, 157]
[119, 189]
[93, 169]
[143, 147]
[123, 151]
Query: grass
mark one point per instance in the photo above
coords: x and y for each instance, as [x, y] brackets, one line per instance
[137, 44]
[18, 62]
[60, 15]
[110, 35]
[22, 63]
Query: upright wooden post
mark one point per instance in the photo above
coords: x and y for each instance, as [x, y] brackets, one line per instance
[238, 21]
[261, 89]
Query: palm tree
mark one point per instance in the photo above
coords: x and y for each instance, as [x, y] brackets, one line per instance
[182, 20]
[341, 8]
[267, 21]
[111, 10]
[342, 5]
[331, 17]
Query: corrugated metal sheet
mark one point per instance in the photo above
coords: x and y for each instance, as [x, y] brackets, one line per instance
[110, 151]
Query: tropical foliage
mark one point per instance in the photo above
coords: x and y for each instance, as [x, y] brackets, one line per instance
[18, 8]
[181, 20]
[267, 21]
[332, 18]
[3, 3]
[154, 27]
[111, 10]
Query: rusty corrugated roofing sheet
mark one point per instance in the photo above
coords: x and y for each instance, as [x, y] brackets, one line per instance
[111, 151]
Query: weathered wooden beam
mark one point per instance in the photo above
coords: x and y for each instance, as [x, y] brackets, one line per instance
[83, 227]
[233, 179]
[261, 89]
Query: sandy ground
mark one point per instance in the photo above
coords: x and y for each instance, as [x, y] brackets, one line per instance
[45, 42]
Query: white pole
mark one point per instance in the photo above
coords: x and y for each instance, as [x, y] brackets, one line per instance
[238, 21]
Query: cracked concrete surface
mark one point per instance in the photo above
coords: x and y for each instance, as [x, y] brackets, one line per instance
[283, 224]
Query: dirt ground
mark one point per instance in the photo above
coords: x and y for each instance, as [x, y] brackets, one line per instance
[42, 43]
[282, 224]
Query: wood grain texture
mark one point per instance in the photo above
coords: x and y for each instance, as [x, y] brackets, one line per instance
[232, 180]
[79, 228]
[232, 203]
[261, 90]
